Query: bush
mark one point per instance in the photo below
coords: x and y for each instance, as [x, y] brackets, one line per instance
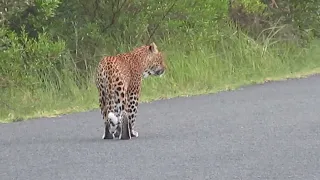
[25, 60]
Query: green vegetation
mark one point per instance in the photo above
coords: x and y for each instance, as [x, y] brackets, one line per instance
[50, 48]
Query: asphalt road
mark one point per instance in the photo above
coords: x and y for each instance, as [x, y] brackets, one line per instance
[269, 131]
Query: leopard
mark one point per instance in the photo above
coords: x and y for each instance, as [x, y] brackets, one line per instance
[119, 79]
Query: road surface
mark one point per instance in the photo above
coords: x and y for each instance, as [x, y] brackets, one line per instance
[269, 131]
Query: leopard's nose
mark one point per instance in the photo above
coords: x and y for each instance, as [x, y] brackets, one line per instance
[159, 72]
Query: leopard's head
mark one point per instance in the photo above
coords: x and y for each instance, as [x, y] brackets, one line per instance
[155, 61]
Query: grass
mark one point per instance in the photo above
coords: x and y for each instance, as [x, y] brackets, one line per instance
[193, 70]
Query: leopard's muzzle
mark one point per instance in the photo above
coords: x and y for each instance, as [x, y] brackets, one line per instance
[159, 72]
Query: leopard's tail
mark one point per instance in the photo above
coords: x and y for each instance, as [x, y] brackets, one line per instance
[113, 118]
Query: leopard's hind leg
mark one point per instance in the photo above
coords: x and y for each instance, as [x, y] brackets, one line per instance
[125, 133]
[106, 102]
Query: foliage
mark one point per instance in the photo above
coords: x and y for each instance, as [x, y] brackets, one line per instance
[24, 60]
[301, 18]
[305, 15]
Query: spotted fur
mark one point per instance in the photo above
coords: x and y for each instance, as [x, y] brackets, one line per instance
[119, 81]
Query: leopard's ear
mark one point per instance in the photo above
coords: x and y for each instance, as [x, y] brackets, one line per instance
[153, 48]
